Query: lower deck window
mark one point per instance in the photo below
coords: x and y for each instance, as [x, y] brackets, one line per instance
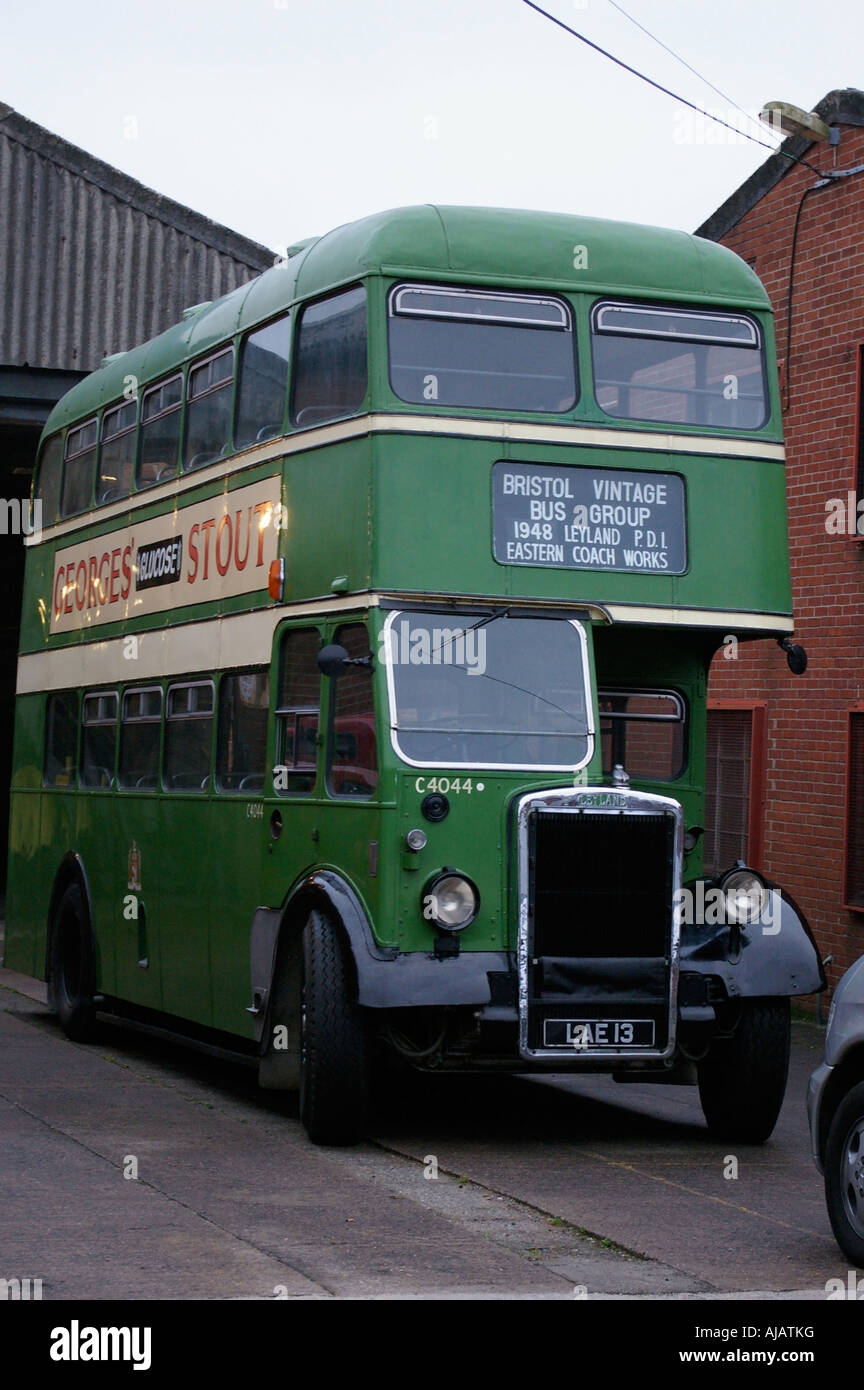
[188, 737]
[241, 760]
[99, 739]
[643, 731]
[297, 712]
[139, 739]
[352, 765]
[61, 740]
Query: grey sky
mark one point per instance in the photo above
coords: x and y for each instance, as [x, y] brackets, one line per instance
[283, 119]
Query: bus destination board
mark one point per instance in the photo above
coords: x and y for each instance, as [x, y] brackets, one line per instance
[588, 518]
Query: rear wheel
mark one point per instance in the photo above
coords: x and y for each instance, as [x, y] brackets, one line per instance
[844, 1175]
[742, 1081]
[72, 971]
[335, 1054]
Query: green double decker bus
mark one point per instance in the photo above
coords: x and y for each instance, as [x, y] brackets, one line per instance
[361, 697]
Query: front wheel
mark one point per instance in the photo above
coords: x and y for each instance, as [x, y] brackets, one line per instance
[742, 1081]
[71, 970]
[335, 1053]
[844, 1175]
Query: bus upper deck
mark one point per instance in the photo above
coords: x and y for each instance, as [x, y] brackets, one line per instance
[609, 387]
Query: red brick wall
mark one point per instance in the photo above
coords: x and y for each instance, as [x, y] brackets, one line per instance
[807, 716]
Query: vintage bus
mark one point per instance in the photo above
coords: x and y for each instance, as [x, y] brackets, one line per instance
[361, 699]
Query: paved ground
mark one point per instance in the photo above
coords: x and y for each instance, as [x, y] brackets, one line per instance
[546, 1189]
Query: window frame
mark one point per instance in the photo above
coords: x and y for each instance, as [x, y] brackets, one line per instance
[279, 712]
[290, 315]
[99, 694]
[683, 718]
[187, 683]
[682, 311]
[144, 421]
[332, 708]
[757, 786]
[581, 628]
[222, 350]
[68, 457]
[146, 689]
[569, 326]
[218, 788]
[299, 312]
[853, 712]
[72, 785]
[103, 440]
[58, 437]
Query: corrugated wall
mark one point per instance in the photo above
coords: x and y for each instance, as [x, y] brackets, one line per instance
[92, 262]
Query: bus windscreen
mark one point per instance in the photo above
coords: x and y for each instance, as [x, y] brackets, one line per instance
[499, 691]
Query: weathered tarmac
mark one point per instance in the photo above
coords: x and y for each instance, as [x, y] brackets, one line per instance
[133, 1168]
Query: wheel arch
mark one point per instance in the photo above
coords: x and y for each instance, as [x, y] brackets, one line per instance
[70, 870]
[848, 1072]
[274, 929]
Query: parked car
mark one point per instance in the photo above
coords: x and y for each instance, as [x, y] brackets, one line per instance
[835, 1108]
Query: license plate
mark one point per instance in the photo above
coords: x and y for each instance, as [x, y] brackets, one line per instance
[589, 1033]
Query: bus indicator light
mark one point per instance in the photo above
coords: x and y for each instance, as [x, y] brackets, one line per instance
[276, 580]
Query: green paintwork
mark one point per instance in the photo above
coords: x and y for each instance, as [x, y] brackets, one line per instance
[407, 513]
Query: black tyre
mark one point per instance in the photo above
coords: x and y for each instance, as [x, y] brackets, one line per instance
[844, 1175]
[72, 971]
[742, 1081]
[335, 1054]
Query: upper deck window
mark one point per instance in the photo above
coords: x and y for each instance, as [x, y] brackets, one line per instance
[330, 364]
[262, 383]
[80, 463]
[474, 348]
[47, 488]
[680, 366]
[160, 432]
[208, 410]
[117, 460]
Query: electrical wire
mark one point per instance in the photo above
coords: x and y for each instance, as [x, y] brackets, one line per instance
[666, 92]
[684, 63]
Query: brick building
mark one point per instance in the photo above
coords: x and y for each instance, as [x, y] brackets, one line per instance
[786, 753]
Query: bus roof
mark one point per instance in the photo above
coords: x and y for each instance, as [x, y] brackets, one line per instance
[493, 246]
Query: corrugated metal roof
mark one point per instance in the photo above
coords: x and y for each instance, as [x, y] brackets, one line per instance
[91, 261]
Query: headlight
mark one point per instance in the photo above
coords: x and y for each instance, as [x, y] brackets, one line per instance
[451, 901]
[746, 895]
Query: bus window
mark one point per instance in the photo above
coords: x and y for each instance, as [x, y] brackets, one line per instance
[117, 459]
[643, 730]
[461, 347]
[241, 758]
[99, 739]
[330, 365]
[352, 764]
[61, 740]
[160, 432]
[678, 365]
[188, 737]
[297, 712]
[47, 489]
[139, 739]
[80, 466]
[208, 410]
[262, 384]
[505, 691]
